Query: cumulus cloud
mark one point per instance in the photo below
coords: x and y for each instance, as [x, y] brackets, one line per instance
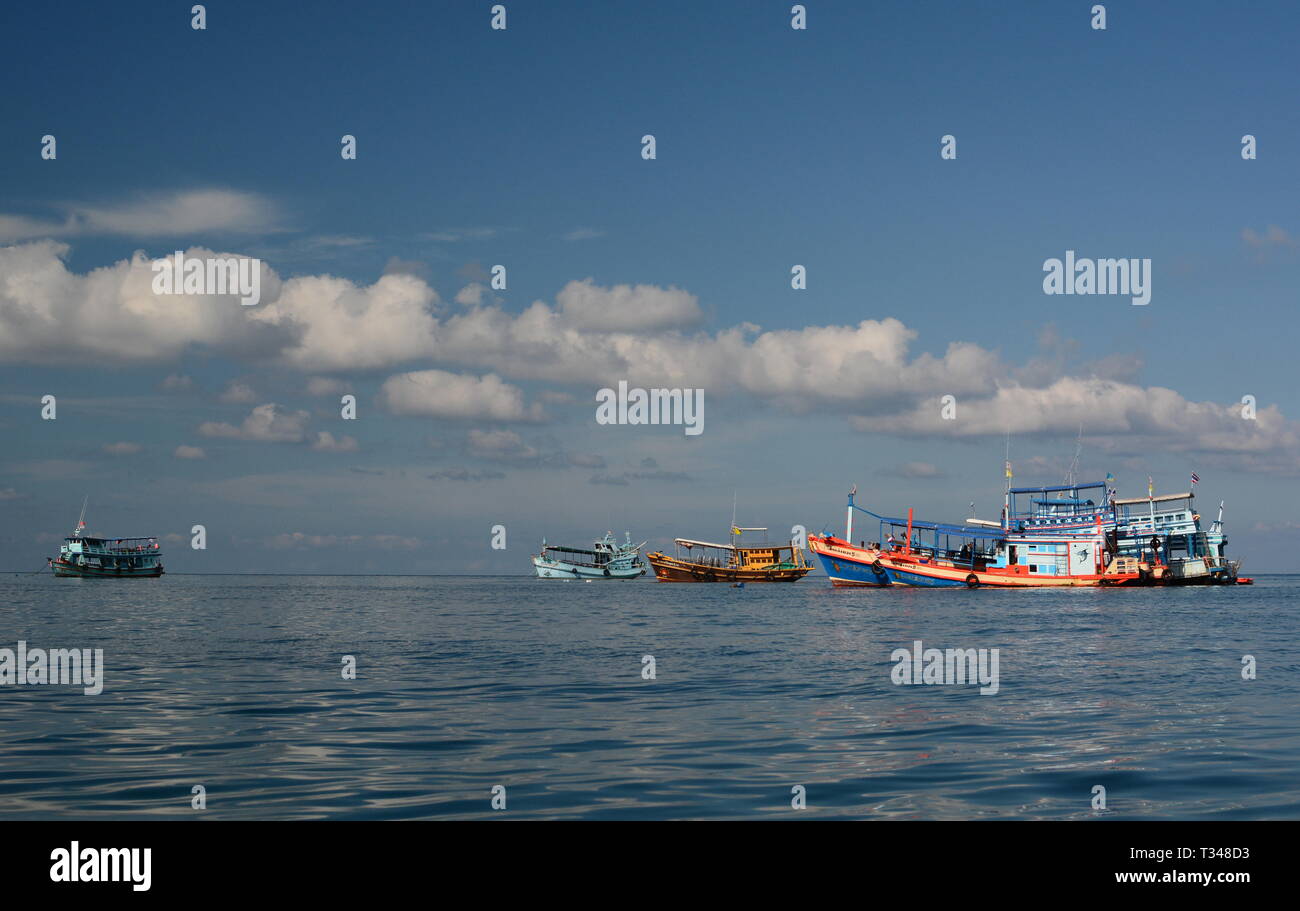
[327, 442]
[269, 423]
[398, 266]
[440, 394]
[472, 295]
[505, 445]
[337, 325]
[592, 337]
[111, 315]
[123, 448]
[627, 307]
[189, 452]
[1121, 414]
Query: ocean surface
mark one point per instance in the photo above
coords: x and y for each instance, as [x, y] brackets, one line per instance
[466, 683]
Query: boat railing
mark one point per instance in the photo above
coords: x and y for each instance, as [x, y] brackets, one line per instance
[123, 546]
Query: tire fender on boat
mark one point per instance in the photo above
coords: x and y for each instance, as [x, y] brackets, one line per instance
[972, 581]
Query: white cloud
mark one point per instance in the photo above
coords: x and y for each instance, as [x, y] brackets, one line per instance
[123, 448]
[180, 214]
[593, 337]
[627, 308]
[239, 392]
[338, 325]
[501, 445]
[111, 315]
[457, 235]
[1149, 417]
[584, 234]
[268, 423]
[327, 442]
[471, 295]
[189, 452]
[321, 386]
[440, 394]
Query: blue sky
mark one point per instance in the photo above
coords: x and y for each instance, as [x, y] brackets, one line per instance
[522, 147]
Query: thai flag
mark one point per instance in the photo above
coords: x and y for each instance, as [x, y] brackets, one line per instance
[1196, 479]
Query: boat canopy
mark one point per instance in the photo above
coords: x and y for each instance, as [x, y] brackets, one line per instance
[1163, 498]
[687, 542]
[570, 550]
[959, 531]
[1075, 488]
[85, 540]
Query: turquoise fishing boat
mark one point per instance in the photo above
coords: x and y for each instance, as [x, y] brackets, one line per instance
[83, 555]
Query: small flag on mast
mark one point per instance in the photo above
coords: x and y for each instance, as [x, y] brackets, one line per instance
[1008, 469]
[735, 530]
[1196, 479]
[1151, 487]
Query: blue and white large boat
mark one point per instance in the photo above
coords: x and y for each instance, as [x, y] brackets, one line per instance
[606, 560]
[86, 556]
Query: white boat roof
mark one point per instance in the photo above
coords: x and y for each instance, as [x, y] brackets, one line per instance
[1163, 498]
[764, 546]
[689, 543]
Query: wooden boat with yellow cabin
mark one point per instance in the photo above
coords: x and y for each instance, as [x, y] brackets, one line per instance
[706, 562]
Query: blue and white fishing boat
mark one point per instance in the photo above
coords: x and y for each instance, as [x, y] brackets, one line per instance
[606, 560]
[87, 556]
[1165, 531]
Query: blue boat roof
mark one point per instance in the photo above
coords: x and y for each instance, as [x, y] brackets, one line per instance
[1065, 501]
[1099, 485]
[956, 530]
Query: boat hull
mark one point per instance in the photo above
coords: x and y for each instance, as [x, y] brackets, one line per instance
[72, 570]
[849, 566]
[553, 569]
[670, 569]
[847, 569]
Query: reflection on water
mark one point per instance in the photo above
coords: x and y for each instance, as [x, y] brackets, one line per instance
[234, 683]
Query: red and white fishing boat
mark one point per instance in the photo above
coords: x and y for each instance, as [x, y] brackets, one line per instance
[1067, 538]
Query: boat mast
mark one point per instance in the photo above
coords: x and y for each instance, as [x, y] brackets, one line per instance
[732, 530]
[1006, 501]
[81, 520]
[1074, 464]
[848, 523]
